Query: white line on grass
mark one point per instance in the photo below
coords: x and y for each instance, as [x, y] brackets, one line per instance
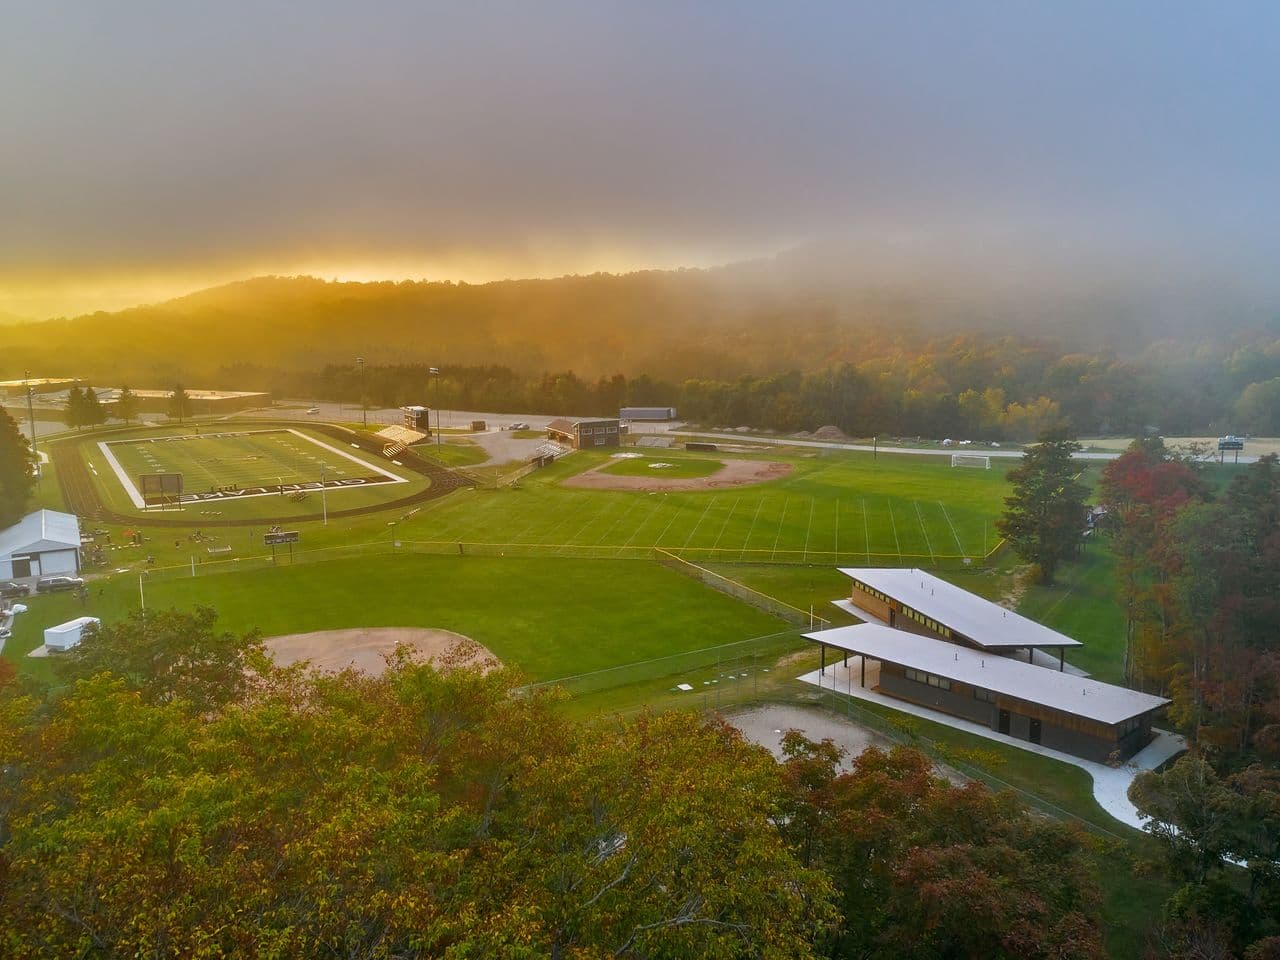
[897, 544]
[709, 505]
[920, 520]
[626, 513]
[724, 525]
[659, 503]
[786, 503]
[866, 532]
[959, 545]
[750, 530]
[837, 549]
[590, 521]
[808, 530]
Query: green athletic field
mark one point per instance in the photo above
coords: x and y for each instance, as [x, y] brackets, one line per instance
[847, 508]
[549, 618]
[681, 468]
[245, 456]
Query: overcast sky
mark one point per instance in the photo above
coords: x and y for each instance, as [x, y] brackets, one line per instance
[147, 148]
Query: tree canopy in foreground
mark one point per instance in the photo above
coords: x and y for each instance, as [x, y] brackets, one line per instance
[198, 801]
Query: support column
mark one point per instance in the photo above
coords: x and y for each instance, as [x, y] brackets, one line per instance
[822, 670]
[864, 670]
[1062, 658]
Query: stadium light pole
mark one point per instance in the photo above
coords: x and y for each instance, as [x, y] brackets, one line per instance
[435, 372]
[364, 406]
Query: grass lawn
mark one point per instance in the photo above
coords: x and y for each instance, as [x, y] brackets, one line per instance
[676, 468]
[548, 617]
[454, 453]
[1083, 604]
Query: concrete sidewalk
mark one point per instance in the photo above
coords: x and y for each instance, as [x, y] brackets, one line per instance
[1110, 784]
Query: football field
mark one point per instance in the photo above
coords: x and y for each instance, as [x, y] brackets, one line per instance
[245, 463]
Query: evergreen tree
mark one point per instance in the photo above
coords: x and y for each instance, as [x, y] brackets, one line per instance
[1044, 516]
[94, 412]
[179, 404]
[17, 471]
[126, 405]
[75, 408]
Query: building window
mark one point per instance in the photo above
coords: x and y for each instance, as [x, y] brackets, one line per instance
[986, 696]
[919, 676]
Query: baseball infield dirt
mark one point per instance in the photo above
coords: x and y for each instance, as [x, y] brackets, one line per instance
[734, 473]
[367, 648]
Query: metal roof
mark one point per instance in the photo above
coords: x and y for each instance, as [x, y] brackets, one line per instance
[1091, 699]
[985, 623]
[39, 531]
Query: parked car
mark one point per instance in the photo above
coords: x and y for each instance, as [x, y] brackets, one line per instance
[313, 410]
[5, 633]
[519, 426]
[57, 584]
[10, 589]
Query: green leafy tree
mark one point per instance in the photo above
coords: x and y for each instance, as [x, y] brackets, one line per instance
[126, 405]
[94, 412]
[168, 655]
[927, 869]
[413, 815]
[1044, 516]
[17, 471]
[179, 404]
[74, 415]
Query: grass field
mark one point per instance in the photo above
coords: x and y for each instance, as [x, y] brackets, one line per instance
[846, 508]
[547, 617]
[681, 468]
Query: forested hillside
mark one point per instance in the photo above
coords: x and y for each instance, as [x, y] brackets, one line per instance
[728, 349]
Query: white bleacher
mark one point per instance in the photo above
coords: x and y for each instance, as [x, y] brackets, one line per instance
[401, 435]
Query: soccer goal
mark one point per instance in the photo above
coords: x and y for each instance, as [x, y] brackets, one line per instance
[971, 460]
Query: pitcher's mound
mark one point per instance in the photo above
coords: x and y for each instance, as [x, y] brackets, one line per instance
[366, 648]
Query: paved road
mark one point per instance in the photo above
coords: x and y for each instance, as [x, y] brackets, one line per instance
[868, 448]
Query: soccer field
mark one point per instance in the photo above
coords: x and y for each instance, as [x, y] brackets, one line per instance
[846, 508]
[223, 466]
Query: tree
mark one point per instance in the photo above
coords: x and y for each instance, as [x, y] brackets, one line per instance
[17, 471]
[126, 404]
[94, 413]
[926, 869]
[168, 655]
[75, 412]
[417, 814]
[1044, 516]
[179, 404]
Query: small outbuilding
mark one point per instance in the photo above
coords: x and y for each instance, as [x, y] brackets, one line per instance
[67, 635]
[585, 434]
[41, 544]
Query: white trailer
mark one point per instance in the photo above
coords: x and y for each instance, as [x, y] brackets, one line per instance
[67, 635]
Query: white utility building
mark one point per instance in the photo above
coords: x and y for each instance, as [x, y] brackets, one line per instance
[41, 544]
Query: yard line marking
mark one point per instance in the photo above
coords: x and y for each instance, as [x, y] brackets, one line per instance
[724, 525]
[896, 542]
[590, 521]
[659, 503]
[750, 530]
[804, 558]
[625, 514]
[699, 523]
[920, 519]
[786, 503]
[837, 550]
[668, 526]
[959, 545]
[866, 532]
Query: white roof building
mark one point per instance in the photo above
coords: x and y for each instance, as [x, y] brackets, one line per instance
[976, 619]
[1079, 696]
[40, 544]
